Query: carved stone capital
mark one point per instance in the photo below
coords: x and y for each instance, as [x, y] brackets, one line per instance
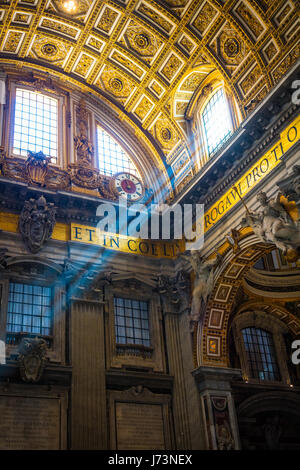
[174, 292]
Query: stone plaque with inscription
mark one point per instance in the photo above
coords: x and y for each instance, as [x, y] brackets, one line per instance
[29, 423]
[139, 426]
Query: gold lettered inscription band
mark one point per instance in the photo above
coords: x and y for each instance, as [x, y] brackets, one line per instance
[125, 244]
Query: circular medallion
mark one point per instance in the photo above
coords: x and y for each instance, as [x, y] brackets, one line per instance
[49, 49]
[231, 47]
[142, 40]
[166, 134]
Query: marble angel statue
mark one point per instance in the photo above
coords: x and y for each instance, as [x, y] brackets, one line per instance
[273, 223]
[203, 284]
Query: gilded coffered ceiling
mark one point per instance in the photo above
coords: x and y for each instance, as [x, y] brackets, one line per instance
[148, 58]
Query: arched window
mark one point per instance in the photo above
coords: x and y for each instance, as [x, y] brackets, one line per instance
[35, 124]
[261, 355]
[111, 157]
[217, 122]
[212, 115]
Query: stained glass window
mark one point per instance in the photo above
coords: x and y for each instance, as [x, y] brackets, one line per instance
[35, 124]
[217, 121]
[261, 354]
[131, 321]
[29, 309]
[111, 157]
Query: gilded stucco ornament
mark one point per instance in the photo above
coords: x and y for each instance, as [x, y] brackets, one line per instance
[231, 47]
[49, 49]
[3, 258]
[165, 133]
[290, 186]
[233, 240]
[142, 41]
[149, 50]
[273, 224]
[32, 359]
[36, 167]
[82, 173]
[36, 223]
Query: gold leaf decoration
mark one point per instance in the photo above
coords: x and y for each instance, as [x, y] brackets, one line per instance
[204, 18]
[251, 79]
[142, 41]
[49, 49]
[250, 19]
[172, 67]
[84, 65]
[107, 20]
[12, 41]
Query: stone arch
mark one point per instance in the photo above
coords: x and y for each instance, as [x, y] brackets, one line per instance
[267, 421]
[277, 311]
[257, 313]
[36, 260]
[269, 401]
[210, 338]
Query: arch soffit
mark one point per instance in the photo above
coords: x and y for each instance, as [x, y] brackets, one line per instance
[270, 401]
[37, 260]
[211, 336]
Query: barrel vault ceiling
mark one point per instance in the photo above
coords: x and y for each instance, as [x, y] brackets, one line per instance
[148, 58]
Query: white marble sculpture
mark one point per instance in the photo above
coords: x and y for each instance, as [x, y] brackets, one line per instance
[273, 224]
[203, 284]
